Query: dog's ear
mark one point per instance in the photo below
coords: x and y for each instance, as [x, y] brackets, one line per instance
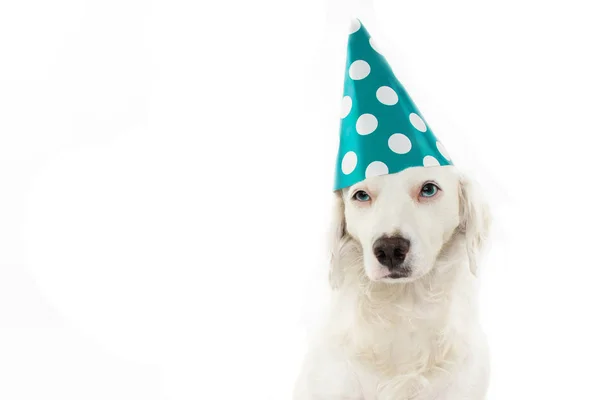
[475, 220]
[337, 237]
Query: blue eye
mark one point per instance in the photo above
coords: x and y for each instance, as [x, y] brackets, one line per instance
[429, 190]
[362, 196]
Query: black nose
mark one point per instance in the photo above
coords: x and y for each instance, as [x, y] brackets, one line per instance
[391, 251]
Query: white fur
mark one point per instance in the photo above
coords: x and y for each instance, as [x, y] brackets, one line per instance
[414, 338]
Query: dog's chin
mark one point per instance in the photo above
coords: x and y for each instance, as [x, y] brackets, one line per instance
[381, 273]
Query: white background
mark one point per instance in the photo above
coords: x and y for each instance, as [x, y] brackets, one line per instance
[166, 172]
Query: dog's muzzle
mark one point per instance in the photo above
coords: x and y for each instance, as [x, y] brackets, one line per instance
[391, 252]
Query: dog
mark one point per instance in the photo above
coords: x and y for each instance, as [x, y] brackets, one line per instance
[403, 319]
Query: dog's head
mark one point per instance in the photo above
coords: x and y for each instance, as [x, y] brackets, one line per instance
[400, 222]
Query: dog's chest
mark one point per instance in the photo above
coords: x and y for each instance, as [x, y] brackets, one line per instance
[394, 348]
[404, 347]
[401, 362]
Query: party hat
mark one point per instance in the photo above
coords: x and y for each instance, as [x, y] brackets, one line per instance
[382, 131]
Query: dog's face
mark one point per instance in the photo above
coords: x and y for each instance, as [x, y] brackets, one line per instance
[402, 221]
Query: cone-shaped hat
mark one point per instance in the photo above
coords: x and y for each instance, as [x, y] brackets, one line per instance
[382, 131]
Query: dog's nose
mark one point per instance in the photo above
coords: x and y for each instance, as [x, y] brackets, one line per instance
[391, 251]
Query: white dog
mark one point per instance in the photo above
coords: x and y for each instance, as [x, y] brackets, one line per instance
[403, 322]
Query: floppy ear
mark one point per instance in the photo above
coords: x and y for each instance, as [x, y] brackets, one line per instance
[337, 238]
[475, 220]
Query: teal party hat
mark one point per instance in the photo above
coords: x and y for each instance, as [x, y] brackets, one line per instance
[382, 131]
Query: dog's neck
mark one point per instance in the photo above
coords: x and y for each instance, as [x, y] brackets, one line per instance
[413, 323]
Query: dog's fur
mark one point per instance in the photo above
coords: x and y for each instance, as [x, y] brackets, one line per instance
[416, 337]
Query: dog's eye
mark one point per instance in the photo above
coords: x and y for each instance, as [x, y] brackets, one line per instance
[429, 190]
[362, 196]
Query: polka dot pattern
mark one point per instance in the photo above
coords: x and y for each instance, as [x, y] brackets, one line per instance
[376, 168]
[349, 162]
[387, 96]
[417, 122]
[354, 26]
[442, 150]
[430, 161]
[382, 131]
[346, 106]
[399, 143]
[374, 45]
[359, 69]
[366, 124]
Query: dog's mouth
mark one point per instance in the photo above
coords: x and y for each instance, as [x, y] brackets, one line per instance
[401, 273]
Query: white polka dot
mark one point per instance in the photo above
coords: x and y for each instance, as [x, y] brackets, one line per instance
[374, 45]
[354, 25]
[346, 106]
[376, 168]
[417, 122]
[430, 161]
[399, 143]
[365, 124]
[359, 69]
[387, 95]
[442, 150]
[349, 162]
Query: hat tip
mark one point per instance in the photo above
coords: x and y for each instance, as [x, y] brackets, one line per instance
[355, 24]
